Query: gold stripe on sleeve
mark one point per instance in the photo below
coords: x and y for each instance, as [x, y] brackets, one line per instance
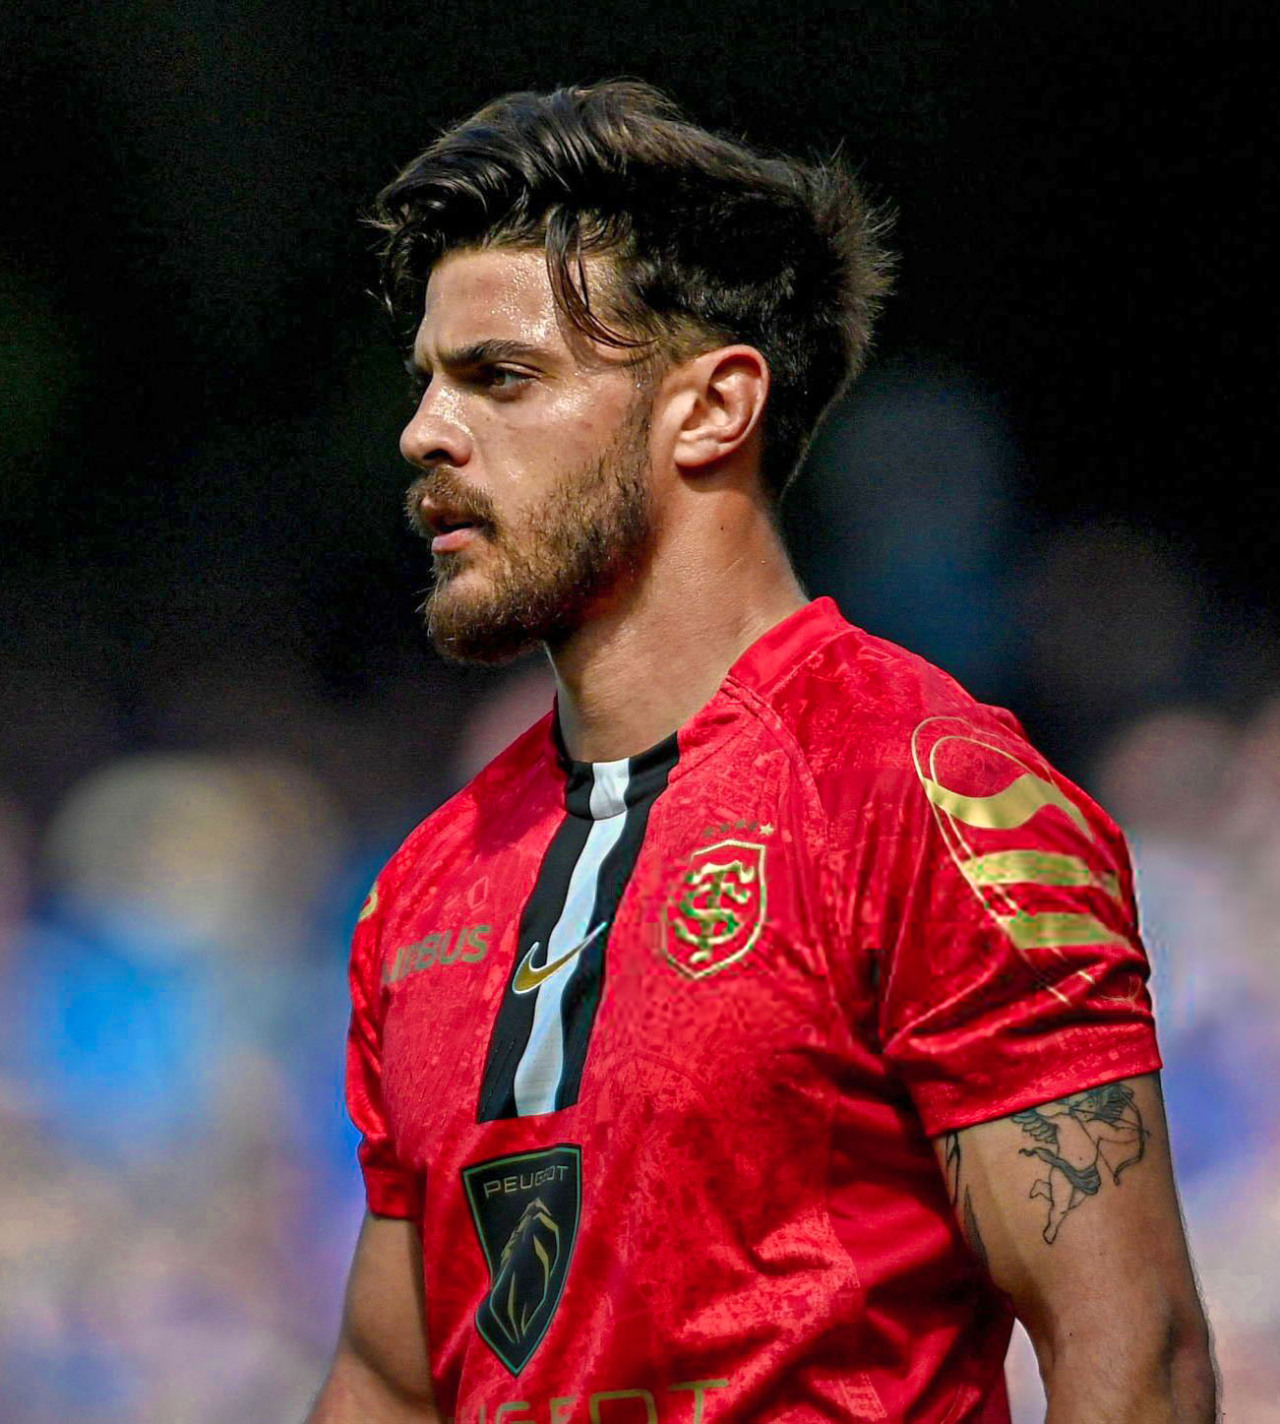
[1035, 867]
[1007, 809]
[1056, 930]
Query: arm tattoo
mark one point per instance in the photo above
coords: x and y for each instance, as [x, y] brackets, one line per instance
[1076, 1137]
[968, 1217]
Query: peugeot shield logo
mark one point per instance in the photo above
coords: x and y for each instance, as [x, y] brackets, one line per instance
[526, 1210]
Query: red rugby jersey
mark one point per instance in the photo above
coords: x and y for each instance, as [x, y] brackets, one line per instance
[652, 1050]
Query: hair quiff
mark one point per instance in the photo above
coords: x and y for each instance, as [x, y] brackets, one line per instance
[708, 241]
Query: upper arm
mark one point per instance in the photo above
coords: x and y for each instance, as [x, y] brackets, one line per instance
[381, 1372]
[1071, 1206]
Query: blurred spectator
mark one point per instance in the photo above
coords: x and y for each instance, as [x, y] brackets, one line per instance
[169, 1171]
[1165, 779]
[171, 879]
[903, 516]
[1200, 799]
[1115, 630]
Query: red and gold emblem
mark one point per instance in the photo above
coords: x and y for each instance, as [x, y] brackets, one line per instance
[716, 915]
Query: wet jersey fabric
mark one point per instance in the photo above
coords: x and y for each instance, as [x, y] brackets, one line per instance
[652, 1050]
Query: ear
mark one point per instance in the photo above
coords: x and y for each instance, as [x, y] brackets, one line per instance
[718, 399]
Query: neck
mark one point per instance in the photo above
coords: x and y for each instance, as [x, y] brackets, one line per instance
[647, 663]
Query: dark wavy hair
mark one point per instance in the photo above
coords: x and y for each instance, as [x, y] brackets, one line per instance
[708, 241]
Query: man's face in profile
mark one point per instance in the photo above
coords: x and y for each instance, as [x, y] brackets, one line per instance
[533, 443]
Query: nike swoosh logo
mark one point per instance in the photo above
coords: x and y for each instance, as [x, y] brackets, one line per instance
[528, 978]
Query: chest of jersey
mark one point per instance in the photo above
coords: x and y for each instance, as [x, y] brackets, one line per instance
[602, 965]
[636, 1075]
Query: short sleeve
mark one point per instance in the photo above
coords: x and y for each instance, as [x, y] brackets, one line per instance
[1012, 968]
[390, 1189]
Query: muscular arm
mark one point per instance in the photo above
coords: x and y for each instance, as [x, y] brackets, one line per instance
[381, 1373]
[1071, 1207]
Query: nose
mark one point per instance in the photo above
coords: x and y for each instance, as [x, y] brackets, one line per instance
[434, 435]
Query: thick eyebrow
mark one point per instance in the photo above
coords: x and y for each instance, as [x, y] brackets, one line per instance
[480, 353]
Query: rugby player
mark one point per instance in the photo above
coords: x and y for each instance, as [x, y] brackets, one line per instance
[766, 1027]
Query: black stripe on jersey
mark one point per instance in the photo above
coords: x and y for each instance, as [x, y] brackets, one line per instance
[647, 777]
[650, 772]
[515, 1017]
[583, 993]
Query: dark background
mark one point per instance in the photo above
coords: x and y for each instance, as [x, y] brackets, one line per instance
[200, 405]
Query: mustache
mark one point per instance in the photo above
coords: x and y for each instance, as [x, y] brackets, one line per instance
[442, 486]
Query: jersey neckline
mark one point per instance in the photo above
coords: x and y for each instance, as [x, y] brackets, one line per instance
[598, 790]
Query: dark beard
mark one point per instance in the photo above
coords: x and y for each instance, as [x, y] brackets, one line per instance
[589, 537]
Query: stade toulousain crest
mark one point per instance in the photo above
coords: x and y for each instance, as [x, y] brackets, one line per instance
[718, 910]
[525, 1209]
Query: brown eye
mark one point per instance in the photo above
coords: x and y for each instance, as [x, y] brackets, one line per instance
[504, 379]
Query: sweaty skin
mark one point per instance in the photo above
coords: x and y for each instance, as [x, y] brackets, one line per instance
[515, 431]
